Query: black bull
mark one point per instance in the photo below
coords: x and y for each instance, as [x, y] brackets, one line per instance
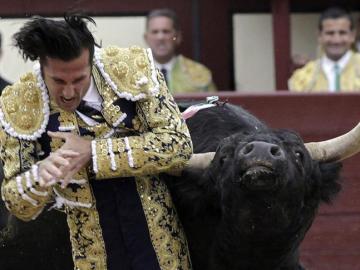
[250, 209]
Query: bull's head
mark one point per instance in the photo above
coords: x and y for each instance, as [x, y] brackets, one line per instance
[335, 149]
[256, 162]
[267, 163]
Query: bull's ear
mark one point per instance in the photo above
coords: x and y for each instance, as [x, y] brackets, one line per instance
[225, 150]
[193, 173]
[329, 181]
[193, 191]
[199, 176]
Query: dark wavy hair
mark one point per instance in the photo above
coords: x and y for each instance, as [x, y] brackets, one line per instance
[335, 13]
[164, 12]
[61, 39]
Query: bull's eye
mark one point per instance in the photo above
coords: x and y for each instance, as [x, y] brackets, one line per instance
[299, 155]
[222, 160]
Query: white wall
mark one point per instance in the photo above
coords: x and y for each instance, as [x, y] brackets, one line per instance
[304, 31]
[121, 31]
[253, 52]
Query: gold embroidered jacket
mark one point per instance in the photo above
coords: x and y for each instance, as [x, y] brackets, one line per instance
[188, 76]
[311, 77]
[157, 140]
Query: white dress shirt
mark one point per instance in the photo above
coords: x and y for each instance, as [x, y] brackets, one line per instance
[328, 66]
[167, 66]
[92, 99]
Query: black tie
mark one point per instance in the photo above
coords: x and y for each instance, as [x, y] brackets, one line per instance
[164, 72]
[90, 112]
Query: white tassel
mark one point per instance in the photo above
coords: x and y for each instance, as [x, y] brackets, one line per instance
[61, 201]
[129, 152]
[111, 153]
[154, 91]
[24, 196]
[30, 187]
[94, 156]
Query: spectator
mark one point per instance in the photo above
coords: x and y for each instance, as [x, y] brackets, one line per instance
[182, 74]
[338, 68]
[357, 39]
[3, 82]
[3, 211]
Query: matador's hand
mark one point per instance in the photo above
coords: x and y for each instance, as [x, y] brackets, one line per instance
[49, 168]
[77, 144]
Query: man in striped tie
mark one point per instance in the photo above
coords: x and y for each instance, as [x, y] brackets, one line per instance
[181, 74]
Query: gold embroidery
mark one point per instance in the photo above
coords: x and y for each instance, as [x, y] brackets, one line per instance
[165, 230]
[22, 105]
[198, 73]
[138, 125]
[129, 68]
[82, 193]
[86, 239]
[10, 155]
[166, 147]
[67, 119]
[27, 148]
[112, 113]
[100, 130]
[18, 156]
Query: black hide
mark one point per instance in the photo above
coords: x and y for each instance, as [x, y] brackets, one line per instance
[3, 211]
[41, 244]
[253, 205]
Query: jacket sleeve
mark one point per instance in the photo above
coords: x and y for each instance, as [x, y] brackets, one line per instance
[212, 87]
[165, 145]
[302, 78]
[296, 83]
[20, 190]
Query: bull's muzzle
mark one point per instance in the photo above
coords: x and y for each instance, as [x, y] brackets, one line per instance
[261, 150]
[258, 158]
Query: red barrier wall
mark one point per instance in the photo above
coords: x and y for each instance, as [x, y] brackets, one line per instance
[333, 242]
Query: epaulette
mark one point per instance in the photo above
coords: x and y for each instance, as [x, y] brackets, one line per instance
[357, 64]
[302, 79]
[198, 73]
[24, 109]
[130, 72]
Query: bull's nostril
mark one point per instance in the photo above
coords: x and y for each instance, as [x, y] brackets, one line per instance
[248, 148]
[275, 151]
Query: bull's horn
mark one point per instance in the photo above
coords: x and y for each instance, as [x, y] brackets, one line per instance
[200, 160]
[197, 161]
[338, 148]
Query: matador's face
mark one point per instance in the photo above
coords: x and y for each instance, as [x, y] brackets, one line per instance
[67, 81]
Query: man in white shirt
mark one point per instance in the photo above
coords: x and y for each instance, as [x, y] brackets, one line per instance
[338, 68]
[182, 74]
[88, 131]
